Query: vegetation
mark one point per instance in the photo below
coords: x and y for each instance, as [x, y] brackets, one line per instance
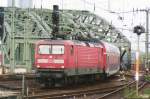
[130, 93]
[147, 78]
[146, 91]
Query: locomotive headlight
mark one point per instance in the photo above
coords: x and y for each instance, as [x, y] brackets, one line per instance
[38, 66]
[61, 61]
[62, 66]
[42, 61]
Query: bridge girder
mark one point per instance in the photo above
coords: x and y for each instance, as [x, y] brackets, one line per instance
[33, 24]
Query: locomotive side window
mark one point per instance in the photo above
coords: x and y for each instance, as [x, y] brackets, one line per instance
[44, 49]
[57, 49]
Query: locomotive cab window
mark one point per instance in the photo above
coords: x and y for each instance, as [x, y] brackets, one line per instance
[57, 49]
[44, 49]
[51, 49]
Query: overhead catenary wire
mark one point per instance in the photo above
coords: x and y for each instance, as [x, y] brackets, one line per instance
[91, 4]
[94, 4]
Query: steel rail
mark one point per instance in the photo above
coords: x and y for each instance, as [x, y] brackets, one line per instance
[78, 93]
[120, 89]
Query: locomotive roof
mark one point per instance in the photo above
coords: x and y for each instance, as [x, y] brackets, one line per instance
[70, 42]
[108, 46]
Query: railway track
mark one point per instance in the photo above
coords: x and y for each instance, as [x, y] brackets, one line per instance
[16, 77]
[96, 92]
[11, 84]
[81, 93]
[141, 85]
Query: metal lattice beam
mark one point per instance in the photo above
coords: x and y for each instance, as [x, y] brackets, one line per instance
[34, 24]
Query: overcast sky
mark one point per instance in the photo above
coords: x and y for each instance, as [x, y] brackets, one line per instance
[103, 9]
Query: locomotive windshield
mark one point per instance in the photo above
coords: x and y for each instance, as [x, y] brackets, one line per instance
[51, 49]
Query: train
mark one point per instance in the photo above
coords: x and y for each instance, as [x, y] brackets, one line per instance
[66, 61]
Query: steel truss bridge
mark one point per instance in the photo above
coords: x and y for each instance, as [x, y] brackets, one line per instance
[23, 27]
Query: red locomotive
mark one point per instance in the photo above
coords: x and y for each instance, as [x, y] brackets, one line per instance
[68, 60]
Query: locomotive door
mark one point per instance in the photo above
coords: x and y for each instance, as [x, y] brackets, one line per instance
[99, 59]
[105, 61]
[76, 58]
[72, 59]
